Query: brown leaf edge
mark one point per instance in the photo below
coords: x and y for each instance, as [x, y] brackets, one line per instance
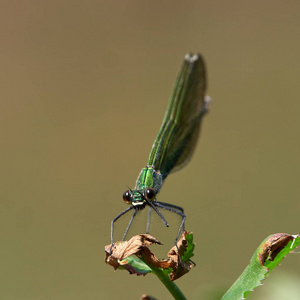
[139, 246]
[272, 246]
[147, 297]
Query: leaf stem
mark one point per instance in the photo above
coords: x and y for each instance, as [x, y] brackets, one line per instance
[164, 278]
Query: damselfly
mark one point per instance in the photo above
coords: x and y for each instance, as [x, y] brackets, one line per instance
[173, 146]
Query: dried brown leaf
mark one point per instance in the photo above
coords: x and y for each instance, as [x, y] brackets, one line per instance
[273, 246]
[181, 267]
[147, 297]
[139, 245]
[121, 250]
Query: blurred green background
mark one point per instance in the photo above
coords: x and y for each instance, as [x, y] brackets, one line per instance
[84, 87]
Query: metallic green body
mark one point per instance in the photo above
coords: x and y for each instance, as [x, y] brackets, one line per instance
[148, 178]
[173, 146]
[179, 132]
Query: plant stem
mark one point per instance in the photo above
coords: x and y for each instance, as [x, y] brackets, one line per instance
[164, 278]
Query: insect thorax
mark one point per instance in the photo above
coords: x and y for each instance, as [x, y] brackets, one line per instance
[149, 178]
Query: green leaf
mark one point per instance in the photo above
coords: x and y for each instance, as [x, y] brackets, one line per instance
[267, 256]
[190, 247]
[135, 266]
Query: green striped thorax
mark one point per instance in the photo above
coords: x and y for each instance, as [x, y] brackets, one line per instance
[148, 184]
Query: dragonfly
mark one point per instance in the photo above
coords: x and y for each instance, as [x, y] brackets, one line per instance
[173, 146]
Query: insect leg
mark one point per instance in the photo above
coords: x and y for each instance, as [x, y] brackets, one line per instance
[112, 224]
[152, 205]
[129, 224]
[148, 220]
[177, 210]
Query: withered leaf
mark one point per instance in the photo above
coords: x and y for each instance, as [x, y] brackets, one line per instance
[147, 297]
[122, 256]
[273, 246]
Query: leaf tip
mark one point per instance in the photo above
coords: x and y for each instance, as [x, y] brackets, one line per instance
[272, 246]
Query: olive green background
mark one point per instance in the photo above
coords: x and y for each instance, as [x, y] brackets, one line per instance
[84, 87]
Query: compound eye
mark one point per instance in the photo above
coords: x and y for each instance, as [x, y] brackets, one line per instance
[126, 196]
[150, 194]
